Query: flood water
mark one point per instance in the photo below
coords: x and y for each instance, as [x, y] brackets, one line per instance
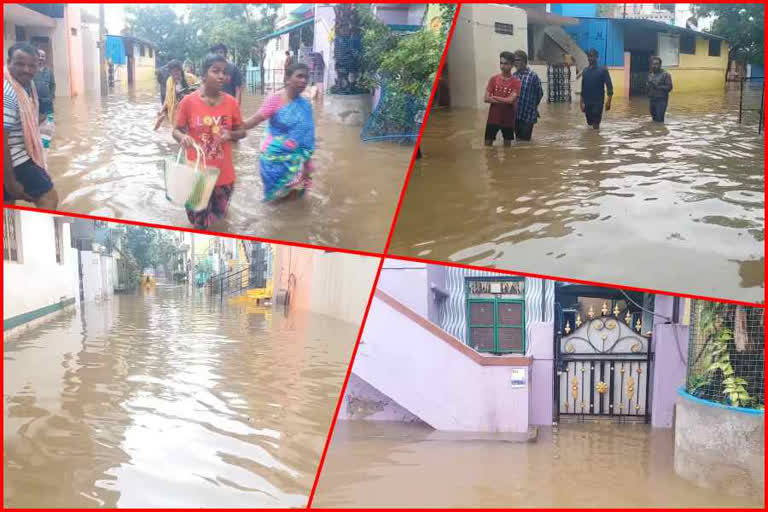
[379, 464]
[104, 156]
[168, 400]
[635, 203]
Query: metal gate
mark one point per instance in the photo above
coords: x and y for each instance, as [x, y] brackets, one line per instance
[602, 367]
[558, 83]
[258, 266]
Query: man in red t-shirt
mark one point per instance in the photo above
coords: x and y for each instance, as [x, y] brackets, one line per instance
[502, 93]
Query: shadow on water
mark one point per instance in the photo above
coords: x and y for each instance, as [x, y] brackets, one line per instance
[166, 399]
[104, 162]
[580, 465]
[635, 203]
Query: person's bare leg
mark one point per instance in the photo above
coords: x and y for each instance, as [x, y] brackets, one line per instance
[48, 201]
[507, 143]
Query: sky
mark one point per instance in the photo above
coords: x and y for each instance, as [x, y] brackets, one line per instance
[114, 14]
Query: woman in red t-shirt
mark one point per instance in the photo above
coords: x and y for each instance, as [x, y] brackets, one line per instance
[212, 120]
[502, 93]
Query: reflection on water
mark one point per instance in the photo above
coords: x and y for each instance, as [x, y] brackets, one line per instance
[375, 464]
[636, 203]
[103, 162]
[163, 399]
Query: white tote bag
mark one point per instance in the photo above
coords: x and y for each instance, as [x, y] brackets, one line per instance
[187, 185]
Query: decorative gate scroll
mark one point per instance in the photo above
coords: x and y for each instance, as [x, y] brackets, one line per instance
[602, 367]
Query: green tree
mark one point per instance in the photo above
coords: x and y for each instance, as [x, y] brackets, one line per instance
[160, 25]
[414, 61]
[741, 25]
[149, 247]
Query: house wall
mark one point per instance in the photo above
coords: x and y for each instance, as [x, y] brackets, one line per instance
[73, 30]
[476, 46]
[700, 72]
[145, 66]
[328, 283]
[324, 23]
[604, 35]
[99, 276]
[575, 10]
[38, 281]
[91, 80]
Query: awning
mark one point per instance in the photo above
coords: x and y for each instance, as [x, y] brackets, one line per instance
[287, 29]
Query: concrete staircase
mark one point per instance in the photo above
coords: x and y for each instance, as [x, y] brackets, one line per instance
[562, 39]
[436, 377]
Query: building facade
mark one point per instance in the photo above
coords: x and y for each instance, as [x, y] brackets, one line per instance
[468, 350]
[40, 268]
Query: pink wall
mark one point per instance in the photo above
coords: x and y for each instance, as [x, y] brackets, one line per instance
[669, 365]
[541, 345]
[72, 21]
[299, 262]
[433, 380]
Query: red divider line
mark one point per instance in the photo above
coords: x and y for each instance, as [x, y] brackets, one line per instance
[192, 230]
[423, 126]
[574, 280]
[344, 386]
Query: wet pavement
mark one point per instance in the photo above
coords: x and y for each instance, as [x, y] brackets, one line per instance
[635, 203]
[170, 400]
[380, 464]
[103, 161]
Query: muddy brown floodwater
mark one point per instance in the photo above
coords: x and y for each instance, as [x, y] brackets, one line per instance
[169, 400]
[104, 156]
[379, 464]
[676, 207]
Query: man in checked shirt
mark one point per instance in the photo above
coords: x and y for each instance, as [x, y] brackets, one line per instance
[530, 97]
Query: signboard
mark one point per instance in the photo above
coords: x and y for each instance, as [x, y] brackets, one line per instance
[519, 378]
[496, 287]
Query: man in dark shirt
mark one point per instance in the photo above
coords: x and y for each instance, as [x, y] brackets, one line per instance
[659, 87]
[234, 86]
[45, 85]
[595, 83]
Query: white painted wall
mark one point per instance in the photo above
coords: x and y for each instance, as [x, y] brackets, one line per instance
[474, 54]
[435, 381]
[341, 285]
[407, 282]
[38, 280]
[99, 276]
[324, 23]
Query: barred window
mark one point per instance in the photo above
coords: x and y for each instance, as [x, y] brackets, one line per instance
[504, 28]
[11, 249]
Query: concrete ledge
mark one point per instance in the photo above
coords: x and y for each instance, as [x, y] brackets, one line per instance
[18, 320]
[10, 333]
[351, 110]
[720, 447]
[481, 359]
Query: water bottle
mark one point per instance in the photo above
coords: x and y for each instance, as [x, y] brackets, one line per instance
[47, 130]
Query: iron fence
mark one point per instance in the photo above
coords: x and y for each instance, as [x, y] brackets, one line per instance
[748, 100]
[726, 354]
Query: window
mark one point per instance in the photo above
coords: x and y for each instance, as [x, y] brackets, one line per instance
[141, 50]
[669, 49]
[714, 47]
[11, 248]
[688, 44]
[58, 240]
[496, 315]
[150, 52]
[504, 28]
[73, 31]
[21, 33]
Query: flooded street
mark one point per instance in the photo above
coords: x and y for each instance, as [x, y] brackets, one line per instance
[170, 400]
[378, 464]
[640, 204]
[104, 156]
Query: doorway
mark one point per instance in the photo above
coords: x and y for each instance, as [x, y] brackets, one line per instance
[639, 67]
